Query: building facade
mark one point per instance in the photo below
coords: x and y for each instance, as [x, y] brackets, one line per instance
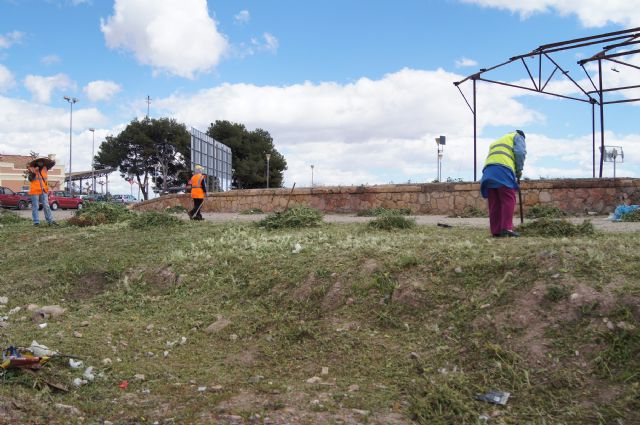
[13, 173]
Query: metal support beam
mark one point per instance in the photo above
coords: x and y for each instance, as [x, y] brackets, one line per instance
[601, 117]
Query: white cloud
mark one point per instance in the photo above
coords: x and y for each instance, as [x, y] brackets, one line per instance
[101, 90]
[11, 38]
[464, 62]
[6, 78]
[592, 13]
[41, 87]
[174, 36]
[242, 17]
[270, 42]
[50, 59]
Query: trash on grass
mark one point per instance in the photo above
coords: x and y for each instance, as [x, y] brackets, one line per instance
[41, 350]
[75, 364]
[14, 357]
[495, 397]
[88, 374]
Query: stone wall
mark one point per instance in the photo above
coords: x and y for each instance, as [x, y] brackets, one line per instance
[572, 195]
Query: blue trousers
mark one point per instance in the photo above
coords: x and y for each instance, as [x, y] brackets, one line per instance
[35, 206]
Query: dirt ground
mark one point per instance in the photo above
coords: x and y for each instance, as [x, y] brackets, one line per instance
[600, 222]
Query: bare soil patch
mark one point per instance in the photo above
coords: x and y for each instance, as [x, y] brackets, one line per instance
[89, 286]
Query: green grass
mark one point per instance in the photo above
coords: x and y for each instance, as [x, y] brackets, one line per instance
[479, 313]
[391, 222]
[378, 211]
[299, 216]
[556, 228]
[545, 211]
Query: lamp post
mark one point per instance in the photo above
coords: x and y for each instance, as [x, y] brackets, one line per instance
[311, 176]
[93, 175]
[71, 101]
[268, 158]
[440, 142]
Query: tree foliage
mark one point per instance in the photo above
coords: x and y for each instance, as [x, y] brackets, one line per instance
[149, 150]
[249, 149]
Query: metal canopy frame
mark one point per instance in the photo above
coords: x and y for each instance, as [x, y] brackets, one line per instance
[614, 46]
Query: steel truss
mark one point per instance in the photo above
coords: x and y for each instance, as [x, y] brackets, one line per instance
[614, 46]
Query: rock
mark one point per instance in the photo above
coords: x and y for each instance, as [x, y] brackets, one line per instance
[107, 361]
[4, 300]
[77, 334]
[574, 297]
[216, 388]
[314, 380]
[183, 340]
[107, 423]
[353, 388]
[47, 312]
[233, 337]
[165, 354]
[360, 412]
[325, 371]
[68, 409]
[458, 270]
[139, 377]
[626, 326]
[610, 326]
[149, 327]
[415, 356]
[256, 379]
[84, 324]
[32, 307]
[202, 389]
[218, 325]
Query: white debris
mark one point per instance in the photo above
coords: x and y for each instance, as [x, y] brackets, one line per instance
[88, 374]
[77, 382]
[42, 325]
[314, 380]
[183, 340]
[75, 364]
[40, 350]
[139, 377]
[14, 310]
[4, 300]
[296, 248]
[202, 389]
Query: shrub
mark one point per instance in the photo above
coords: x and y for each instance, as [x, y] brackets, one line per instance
[545, 211]
[7, 217]
[154, 219]
[631, 216]
[295, 217]
[391, 222]
[378, 211]
[556, 228]
[95, 214]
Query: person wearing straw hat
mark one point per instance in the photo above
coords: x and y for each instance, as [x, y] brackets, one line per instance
[198, 192]
[39, 189]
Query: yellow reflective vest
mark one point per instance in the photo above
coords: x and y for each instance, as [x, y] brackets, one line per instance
[501, 152]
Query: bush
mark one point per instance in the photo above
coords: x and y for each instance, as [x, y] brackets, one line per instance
[378, 211]
[545, 211]
[97, 213]
[391, 222]
[154, 219]
[556, 228]
[295, 217]
[631, 216]
[7, 217]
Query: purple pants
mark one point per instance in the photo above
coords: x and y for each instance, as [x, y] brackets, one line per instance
[502, 203]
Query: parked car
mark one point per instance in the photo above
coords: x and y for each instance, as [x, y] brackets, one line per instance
[11, 199]
[124, 199]
[94, 197]
[64, 200]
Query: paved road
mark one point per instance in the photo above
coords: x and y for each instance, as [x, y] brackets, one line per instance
[600, 222]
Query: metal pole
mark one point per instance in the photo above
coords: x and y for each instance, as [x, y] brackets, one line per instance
[268, 156]
[475, 134]
[593, 137]
[601, 116]
[93, 142]
[312, 176]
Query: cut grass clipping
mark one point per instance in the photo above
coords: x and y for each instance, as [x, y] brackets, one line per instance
[556, 228]
[631, 216]
[469, 212]
[545, 211]
[154, 219]
[391, 222]
[299, 216]
[95, 214]
[176, 209]
[378, 211]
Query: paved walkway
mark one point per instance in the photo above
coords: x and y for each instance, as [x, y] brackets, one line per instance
[600, 222]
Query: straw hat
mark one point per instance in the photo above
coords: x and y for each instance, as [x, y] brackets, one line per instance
[48, 162]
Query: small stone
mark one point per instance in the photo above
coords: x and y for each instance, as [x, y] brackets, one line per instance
[77, 382]
[183, 340]
[413, 355]
[107, 423]
[360, 412]
[218, 325]
[314, 380]
[202, 389]
[256, 379]
[139, 377]
[32, 307]
[146, 391]
[574, 297]
[149, 327]
[555, 276]
[354, 388]
[216, 388]
[233, 337]
[458, 269]
[485, 306]
[106, 361]
[611, 326]
[84, 324]
[77, 334]
[325, 371]
[165, 354]
[150, 354]
[68, 409]
[626, 326]
[14, 310]
[315, 402]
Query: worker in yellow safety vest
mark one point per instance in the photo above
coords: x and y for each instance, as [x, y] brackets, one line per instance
[198, 185]
[38, 174]
[500, 181]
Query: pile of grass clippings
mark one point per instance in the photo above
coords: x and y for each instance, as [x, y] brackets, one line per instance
[8, 217]
[631, 216]
[378, 211]
[252, 211]
[299, 216]
[391, 222]
[545, 211]
[97, 213]
[176, 209]
[469, 212]
[556, 228]
[154, 219]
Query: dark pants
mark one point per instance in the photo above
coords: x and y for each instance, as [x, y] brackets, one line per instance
[196, 207]
[502, 203]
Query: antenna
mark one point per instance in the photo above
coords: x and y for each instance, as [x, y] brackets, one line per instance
[148, 104]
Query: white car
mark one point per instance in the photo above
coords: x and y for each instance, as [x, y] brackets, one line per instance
[124, 199]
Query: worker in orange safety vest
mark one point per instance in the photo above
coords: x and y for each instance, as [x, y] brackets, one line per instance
[198, 185]
[39, 189]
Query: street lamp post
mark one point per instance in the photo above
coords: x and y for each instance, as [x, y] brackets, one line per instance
[312, 176]
[93, 168]
[268, 158]
[71, 101]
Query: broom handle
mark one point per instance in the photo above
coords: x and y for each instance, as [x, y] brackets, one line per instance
[520, 202]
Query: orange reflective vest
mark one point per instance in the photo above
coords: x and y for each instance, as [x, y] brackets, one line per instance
[39, 185]
[196, 186]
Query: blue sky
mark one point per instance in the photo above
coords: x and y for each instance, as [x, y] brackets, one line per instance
[358, 88]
